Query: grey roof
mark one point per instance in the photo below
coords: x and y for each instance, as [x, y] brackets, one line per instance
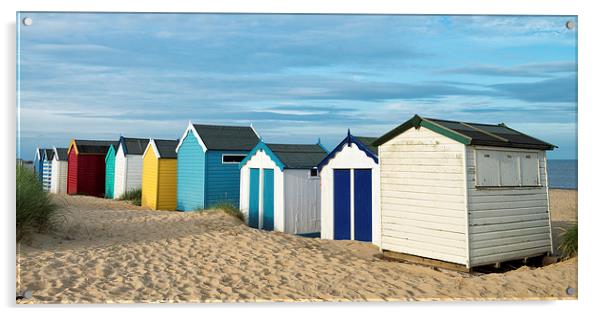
[296, 156]
[367, 141]
[48, 153]
[61, 154]
[94, 146]
[167, 148]
[498, 135]
[134, 146]
[217, 137]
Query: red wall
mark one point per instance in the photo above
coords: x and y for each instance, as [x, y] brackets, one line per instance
[86, 174]
[72, 173]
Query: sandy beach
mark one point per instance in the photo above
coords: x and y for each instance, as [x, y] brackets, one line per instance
[114, 252]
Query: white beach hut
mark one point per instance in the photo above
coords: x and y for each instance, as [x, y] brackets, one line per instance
[280, 188]
[464, 193]
[58, 179]
[350, 191]
[128, 165]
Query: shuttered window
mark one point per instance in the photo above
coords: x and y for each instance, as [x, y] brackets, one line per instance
[507, 168]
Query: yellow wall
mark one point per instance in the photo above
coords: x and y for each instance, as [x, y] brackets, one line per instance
[150, 168]
[167, 184]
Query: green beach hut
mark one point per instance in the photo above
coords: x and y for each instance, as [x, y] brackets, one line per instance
[110, 173]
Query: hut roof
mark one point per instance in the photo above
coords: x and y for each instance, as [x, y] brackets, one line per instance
[367, 141]
[94, 146]
[298, 156]
[48, 154]
[220, 137]
[133, 146]
[498, 135]
[166, 148]
[61, 154]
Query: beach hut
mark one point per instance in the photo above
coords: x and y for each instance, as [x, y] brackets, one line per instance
[128, 164]
[110, 173]
[86, 166]
[280, 188]
[47, 155]
[208, 158]
[468, 194]
[38, 163]
[350, 191]
[159, 175]
[58, 179]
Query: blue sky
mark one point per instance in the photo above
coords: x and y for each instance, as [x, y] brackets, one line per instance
[295, 77]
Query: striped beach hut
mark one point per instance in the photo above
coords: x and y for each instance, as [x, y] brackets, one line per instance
[350, 191]
[159, 175]
[468, 194]
[38, 163]
[47, 155]
[208, 158]
[128, 164]
[58, 179]
[110, 173]
[86, 166]
[280, 188]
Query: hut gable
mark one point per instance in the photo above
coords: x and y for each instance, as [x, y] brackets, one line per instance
[474, 134]
[363, 143]
[60, 154]
[291, 156]
[133, 146]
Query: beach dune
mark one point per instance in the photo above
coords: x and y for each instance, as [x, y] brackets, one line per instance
[111, 251]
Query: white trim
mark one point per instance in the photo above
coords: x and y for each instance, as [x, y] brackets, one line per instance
[466, 214]
[232, 163]
[151, 143]
[545, 158]
[190, 127]
[254, 131]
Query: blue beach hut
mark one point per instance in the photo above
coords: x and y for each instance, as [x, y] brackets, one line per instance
[38, 162]
[208, 159]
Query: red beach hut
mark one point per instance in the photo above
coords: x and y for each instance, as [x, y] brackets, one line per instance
[86, 166]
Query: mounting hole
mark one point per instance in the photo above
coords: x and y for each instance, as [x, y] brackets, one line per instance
[569, 24]
[27, 21]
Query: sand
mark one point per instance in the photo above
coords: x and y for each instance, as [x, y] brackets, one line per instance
[114, 252]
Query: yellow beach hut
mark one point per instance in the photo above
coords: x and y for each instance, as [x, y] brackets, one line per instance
[159, 175]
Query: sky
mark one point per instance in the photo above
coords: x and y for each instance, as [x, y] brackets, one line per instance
[296, 78]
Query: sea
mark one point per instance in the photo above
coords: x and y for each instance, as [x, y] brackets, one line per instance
[562, 173]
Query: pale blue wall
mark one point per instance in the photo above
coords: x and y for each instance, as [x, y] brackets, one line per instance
[191, 174]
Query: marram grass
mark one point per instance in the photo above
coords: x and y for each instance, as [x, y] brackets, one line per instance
[568, 246]
[35, 208]
[227, 208]
[133, 195]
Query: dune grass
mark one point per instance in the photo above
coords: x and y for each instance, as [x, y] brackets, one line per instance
[35, 208]
[227, 208]
[568, 246]
[133, 195]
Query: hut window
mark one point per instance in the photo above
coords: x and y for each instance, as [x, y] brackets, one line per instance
[233, 159]
[497, 168]
[313, 173]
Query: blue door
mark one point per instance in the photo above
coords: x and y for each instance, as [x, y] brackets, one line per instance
[362, 204]
[342, 204]
[268, 199]
[254, 198]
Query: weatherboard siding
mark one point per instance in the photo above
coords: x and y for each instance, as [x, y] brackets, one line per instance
[72, 172]
[223, 179]
[91, 175]
[119, 173]
[507, 223]
[110, 173]
[150, 179]
[423, 204]
[133, 179]
[46, 174]
[167, 184]
[191, 174]
[58, 182]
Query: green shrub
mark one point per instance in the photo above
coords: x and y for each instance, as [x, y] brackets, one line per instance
[227, 208]
[35, 208]
[568, 246]
[133, 195]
